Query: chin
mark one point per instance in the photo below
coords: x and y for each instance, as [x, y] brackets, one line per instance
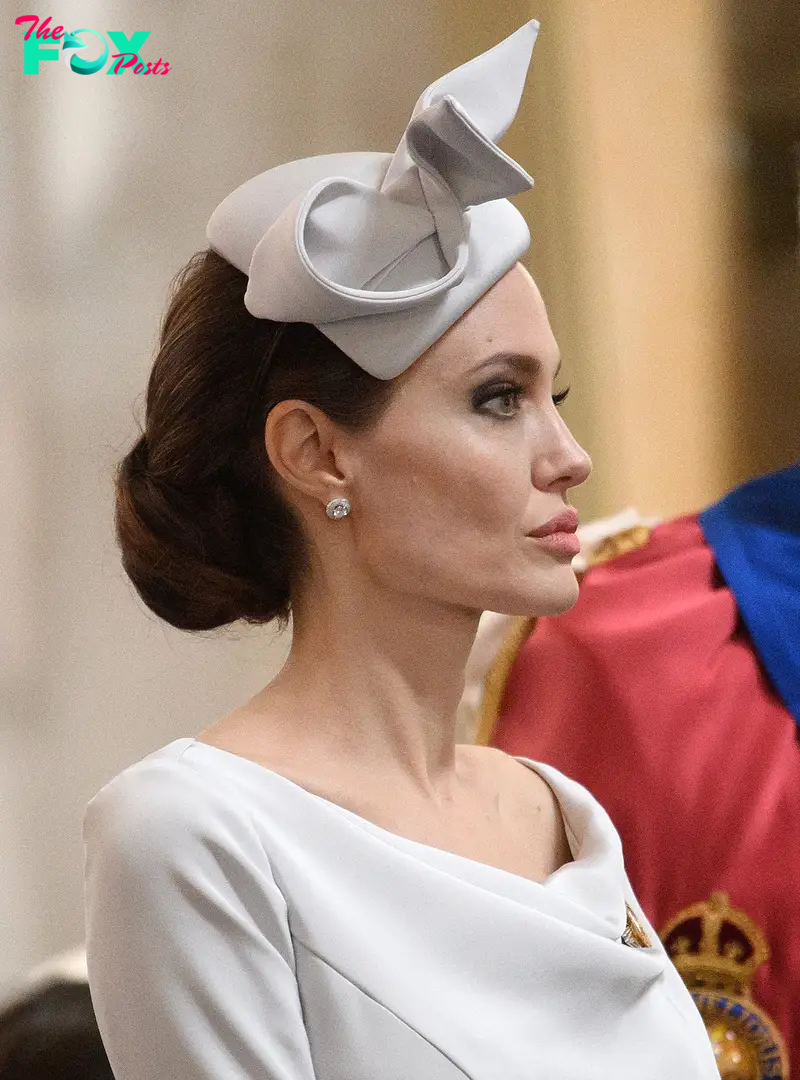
[552, 594]
[557, 603]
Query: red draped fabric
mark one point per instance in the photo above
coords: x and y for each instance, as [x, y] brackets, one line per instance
[649, 693]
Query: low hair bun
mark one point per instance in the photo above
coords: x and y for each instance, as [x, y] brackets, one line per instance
[205, 533]
[190, 554]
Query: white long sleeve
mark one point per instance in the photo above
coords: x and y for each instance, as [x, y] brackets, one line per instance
[191, 978]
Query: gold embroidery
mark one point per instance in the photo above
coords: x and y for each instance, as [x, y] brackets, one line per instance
[717, 950]
[620, 544]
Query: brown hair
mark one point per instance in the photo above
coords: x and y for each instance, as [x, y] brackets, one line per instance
[206, 537]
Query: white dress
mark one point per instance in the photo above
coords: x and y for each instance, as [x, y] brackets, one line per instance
[240, 927]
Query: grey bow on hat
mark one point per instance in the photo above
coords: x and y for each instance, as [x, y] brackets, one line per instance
[383, 252]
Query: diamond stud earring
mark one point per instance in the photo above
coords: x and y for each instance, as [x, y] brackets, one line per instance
[338, 508]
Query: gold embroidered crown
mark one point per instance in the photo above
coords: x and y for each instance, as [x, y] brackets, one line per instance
[715, 947]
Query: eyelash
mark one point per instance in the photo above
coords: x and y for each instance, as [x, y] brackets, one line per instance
[514, 390]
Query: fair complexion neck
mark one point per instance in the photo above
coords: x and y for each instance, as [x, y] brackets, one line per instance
[380, 675]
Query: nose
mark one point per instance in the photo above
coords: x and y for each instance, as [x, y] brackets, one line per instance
[563, 463]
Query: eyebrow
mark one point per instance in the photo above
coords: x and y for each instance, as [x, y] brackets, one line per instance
[523, 363]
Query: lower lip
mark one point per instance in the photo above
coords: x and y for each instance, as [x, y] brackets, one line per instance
[563, 543]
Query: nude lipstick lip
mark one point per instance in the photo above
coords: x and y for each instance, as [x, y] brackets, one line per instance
[564, 523]
[558, 534]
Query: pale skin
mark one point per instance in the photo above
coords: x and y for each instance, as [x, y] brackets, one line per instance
[444, 492]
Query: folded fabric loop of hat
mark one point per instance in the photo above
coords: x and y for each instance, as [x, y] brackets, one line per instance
[318, 259]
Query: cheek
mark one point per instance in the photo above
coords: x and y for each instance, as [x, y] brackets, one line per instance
[425, 498]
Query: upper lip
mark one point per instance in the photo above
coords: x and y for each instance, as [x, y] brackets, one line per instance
[566, 523]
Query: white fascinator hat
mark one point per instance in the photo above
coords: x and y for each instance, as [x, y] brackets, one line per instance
[383, 252]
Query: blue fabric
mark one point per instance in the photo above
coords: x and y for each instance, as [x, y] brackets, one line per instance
[754, 532]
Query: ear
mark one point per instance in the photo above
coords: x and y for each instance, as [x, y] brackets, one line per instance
[307, 450]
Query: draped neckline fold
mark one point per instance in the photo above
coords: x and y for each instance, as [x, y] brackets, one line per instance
[586, 892]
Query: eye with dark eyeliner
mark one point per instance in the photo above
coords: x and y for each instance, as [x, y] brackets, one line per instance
[486, 394]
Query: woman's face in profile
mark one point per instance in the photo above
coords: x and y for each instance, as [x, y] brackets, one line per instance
[471, 457]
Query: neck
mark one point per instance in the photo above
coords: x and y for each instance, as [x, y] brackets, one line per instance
[374, 681]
